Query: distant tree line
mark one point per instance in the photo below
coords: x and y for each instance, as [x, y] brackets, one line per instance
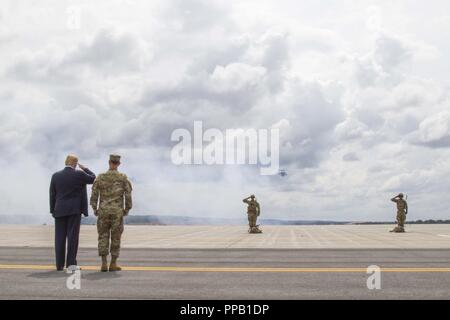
[179, 220]
[429, 221]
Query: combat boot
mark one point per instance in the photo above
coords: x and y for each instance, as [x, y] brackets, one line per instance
[255, 230]
[104, 267]
[398, 230]
[394, 230]
[113, 266]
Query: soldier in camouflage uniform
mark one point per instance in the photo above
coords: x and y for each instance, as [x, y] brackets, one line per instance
[253, 212]
[111, 201]
[402, 211]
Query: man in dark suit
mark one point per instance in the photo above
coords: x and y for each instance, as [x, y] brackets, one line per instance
[68, 201]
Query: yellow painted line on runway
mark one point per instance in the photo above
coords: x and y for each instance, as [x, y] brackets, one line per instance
[231, 269]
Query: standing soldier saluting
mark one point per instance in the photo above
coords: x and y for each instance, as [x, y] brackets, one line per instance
[402, 211]
[253, 212]
[111, 201]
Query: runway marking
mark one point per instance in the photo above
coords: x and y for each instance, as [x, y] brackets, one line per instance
[443, 235]
[235, 269]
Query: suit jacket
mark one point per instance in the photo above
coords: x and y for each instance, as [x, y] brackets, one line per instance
[68, 192]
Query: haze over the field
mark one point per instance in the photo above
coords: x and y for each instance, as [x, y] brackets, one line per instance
[359, 90]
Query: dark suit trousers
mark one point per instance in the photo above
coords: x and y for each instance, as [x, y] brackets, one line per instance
[67, 228]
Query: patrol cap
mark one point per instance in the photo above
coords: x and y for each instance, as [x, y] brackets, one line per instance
[114, 158]
[401, 195]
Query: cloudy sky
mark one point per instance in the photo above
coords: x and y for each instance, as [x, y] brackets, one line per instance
[359, 90]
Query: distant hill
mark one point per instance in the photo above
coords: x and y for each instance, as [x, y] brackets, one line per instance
[183, 220]
[163, 220]
[26, 219]
[186, 221]
[430, 221]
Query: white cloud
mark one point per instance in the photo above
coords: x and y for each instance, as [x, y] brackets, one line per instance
[237, 76]
[435, 129]
[111, 51]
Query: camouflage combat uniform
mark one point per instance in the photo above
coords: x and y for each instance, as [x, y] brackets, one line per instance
[401, 216]
[253, 211]
[114, 190]
[402, 209]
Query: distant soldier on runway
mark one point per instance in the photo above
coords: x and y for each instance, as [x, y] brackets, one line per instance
[402, 211]
[111, 201]
[253, 212]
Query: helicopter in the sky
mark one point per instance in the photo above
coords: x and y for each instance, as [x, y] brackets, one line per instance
[282, 173]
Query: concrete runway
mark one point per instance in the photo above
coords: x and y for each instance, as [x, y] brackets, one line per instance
[236, 237]
[225, 262]
[26, 273]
